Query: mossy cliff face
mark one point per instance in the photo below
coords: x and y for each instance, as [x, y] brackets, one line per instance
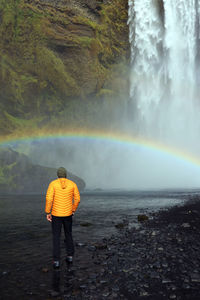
[19, 175]
[57, 57]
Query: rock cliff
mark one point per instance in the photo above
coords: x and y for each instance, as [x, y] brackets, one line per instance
[61, 61]
[19, 175]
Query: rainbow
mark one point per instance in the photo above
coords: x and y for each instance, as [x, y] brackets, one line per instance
[119, 138]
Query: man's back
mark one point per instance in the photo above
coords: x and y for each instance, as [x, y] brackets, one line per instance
[62, 197]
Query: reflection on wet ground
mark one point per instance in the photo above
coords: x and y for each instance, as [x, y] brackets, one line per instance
[56, 283]
[69, 278]
[26, 243]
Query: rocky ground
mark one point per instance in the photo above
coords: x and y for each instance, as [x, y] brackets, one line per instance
[158, 260]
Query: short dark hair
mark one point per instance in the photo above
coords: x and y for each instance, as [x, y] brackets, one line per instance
[62, 172]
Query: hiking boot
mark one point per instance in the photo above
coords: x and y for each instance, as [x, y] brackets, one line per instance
[56, 264]
[69, 259]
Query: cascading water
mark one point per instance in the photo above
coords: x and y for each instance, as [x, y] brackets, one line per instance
[164, 39]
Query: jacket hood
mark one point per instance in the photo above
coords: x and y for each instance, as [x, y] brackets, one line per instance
[63, 182]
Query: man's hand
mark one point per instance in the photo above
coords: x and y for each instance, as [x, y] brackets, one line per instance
[49, 217]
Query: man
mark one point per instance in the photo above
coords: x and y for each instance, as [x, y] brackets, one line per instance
[62, 200]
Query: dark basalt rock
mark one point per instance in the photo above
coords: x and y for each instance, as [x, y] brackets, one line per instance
[86, 224]
[145, 263]
[142, 218]
[120, 225]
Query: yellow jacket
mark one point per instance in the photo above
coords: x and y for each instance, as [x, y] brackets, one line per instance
[62, 198]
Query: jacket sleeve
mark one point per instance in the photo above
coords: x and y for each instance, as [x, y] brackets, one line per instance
[49, 198]
[76, 198]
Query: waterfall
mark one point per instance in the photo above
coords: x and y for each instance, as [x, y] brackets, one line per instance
[164, 82]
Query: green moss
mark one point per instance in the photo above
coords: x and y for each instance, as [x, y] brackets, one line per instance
[26, 39]
[105, 93]
[84, 41]
[54, 71]
[6, 178]
[18, 22]
[10, 166]
[113, 32]
[85, 21]
[46, 70]
[22, 125]
[17, 54]
[2, 177]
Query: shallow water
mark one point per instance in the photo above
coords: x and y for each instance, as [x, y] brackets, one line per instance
[25, 235]
[23, 216]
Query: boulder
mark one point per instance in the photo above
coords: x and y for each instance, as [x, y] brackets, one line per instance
[142, 218]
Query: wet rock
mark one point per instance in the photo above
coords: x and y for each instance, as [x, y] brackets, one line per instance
[120, 225]
[160, 249]
[4, 273]
[86, 224]
[45, 270]
[165, 265]
[115, 289]
[55, 294]
[103, 281]
[91, 248]
[92, 287]
[172, 296]
[153, 233]
[154, 275]
[29, 293]
[79, 244]
[83, 286]
[100, 246]
[166, 281]
[142, 231]
[93, 276]
[195, 277]
[114, 296]
[156, 265]
[143, 294]
[105, 293]
[142, 218]
[186, 225]
[173, 287]
[186, 286]
[128, 270]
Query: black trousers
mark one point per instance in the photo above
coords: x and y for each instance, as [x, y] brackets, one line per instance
[57, 223]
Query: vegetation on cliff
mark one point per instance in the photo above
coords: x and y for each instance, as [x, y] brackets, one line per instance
[19, 175]
[61, 64]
